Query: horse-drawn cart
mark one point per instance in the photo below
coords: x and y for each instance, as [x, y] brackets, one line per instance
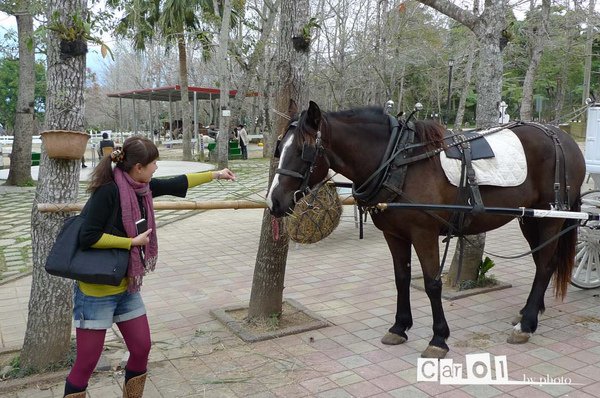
[586, 273]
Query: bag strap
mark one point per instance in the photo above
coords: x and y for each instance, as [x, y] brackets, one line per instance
[111, 221]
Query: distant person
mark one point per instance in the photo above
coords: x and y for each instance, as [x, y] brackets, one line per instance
[83, 165]
[233, 135]
[105, 143]
[243, 136]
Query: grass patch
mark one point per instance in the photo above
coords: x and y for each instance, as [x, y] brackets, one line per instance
[482, 280]
[18, 371]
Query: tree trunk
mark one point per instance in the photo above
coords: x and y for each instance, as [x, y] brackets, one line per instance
[269, 272]
[223, 67]
[250, 69]
[460, 111]
[489, 82]
[488, 28]
[472, 255]
[587, 69]
[538, 42]
[50, 305]
[20, 159]
[186, 115]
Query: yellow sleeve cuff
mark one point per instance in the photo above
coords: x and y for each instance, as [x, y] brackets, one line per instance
[108, 241]
[195, 179]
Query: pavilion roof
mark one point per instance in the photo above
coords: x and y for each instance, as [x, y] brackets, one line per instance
[173, 93]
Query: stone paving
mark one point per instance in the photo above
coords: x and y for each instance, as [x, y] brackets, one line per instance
[16, 203]
[207, 261]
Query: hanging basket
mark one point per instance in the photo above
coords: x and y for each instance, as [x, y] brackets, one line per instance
[65, 144]
[315, 216]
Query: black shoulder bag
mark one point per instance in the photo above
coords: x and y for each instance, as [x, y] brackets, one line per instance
[100, 266]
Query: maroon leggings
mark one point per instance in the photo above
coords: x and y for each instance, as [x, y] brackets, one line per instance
[136, 334]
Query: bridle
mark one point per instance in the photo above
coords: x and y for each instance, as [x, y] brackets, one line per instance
[310, 154]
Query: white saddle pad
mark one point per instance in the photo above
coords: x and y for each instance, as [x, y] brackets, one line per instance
[508, 168]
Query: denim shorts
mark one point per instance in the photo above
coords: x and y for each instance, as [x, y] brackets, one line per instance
[101, 312]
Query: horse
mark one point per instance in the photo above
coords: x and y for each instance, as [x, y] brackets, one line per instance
[354, 142]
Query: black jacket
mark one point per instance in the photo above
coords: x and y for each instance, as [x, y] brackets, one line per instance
[99, 209]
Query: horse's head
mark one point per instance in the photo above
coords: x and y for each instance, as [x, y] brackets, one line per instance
[302, 162]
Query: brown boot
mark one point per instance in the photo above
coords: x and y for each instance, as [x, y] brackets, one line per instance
[134, 387]
[76, 395]
[73, 392]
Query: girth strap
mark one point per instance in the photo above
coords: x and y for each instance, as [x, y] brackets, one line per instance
[471, 178]
[561, 190]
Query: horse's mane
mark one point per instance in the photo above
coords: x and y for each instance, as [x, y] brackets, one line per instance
[367, 114]
[430, 132]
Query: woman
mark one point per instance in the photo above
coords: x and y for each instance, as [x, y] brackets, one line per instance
[129, 189]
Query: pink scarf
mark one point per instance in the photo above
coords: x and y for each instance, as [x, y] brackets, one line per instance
[129, 190]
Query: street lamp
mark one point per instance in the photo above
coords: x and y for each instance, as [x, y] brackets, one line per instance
[450, 65]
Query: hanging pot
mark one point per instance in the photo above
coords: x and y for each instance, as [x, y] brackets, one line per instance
[65, 144]
[72, 48]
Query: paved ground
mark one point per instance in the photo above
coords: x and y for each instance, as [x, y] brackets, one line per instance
[206, 262]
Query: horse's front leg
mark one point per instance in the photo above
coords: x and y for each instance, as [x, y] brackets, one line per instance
[400, 250]
[427, 248]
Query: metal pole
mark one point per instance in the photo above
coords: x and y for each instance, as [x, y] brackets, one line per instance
[150, 117]
[450, 65]
[500, 211]
[170, 119]
[121, 119]
[196, 120]
[135, 126]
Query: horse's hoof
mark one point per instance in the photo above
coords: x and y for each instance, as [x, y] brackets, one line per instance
[516, 320]
[392, 339]
[434, 352]
[518, 337]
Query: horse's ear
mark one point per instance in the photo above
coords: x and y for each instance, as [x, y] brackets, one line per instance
[292, 109]
[313, 115]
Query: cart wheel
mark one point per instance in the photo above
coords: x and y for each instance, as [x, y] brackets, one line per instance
[586, 273]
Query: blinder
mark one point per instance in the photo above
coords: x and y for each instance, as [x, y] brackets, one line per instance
[277, 151]
[309, 155]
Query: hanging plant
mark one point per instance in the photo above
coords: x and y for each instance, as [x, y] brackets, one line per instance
[75, 35]
[302, 42]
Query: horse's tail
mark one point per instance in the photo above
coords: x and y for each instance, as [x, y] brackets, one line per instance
[565, 254]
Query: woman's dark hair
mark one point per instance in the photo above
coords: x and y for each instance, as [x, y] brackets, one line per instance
[136, 149]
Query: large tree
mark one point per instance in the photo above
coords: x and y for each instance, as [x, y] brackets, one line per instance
[490, 30]
[249, 64]
[224, 78]
[175, 21]
[49, 318]
[20, 160]
[537, 35]
[266, 297]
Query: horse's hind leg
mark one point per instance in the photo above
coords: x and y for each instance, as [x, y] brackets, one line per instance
[546, 261]
[400, 250]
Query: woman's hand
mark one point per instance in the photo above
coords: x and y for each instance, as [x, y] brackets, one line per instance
[142, 239]
[224, 174]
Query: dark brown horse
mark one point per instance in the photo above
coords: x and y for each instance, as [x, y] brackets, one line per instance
[353, 143]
